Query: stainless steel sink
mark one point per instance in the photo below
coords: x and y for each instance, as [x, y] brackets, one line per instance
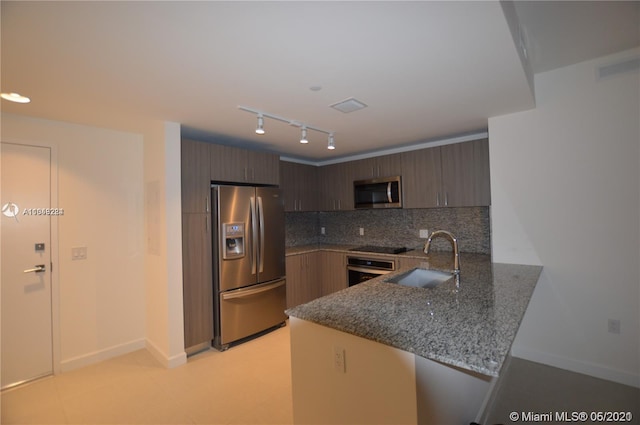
[421, 278]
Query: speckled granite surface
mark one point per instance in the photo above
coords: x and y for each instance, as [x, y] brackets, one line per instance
[471, 326]
[392, 227]
[303, 249]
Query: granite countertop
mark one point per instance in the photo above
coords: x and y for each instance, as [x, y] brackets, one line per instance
[303, 249]
[349, 249]
[471, 325]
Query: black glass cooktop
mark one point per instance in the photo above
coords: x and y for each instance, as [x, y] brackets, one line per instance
[380, 249]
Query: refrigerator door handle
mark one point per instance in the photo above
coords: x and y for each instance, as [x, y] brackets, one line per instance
[242, 293]
[261, 250]
[254, 234]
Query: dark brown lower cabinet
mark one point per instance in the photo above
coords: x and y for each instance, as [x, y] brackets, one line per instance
[314, 274]
[303, 280]
[334, 271]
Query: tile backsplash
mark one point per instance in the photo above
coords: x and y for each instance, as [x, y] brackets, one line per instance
[393, 227]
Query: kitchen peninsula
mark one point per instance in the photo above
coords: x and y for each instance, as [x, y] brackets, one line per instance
[380, 352]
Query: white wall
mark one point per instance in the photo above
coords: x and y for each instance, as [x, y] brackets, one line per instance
[377, 384]
[121, 196]
[163, 236]
[566, 194]
[101, 299]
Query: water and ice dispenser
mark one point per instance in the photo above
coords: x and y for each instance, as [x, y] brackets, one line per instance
[233, 238]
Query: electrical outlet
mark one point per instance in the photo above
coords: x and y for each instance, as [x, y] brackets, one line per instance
[339, 364]
[614, 326]
[424, 233]
[322, 231]
[362, 231]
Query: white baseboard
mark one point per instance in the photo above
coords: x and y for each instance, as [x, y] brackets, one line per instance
[166, 361]
[585, 368]
[101, 355]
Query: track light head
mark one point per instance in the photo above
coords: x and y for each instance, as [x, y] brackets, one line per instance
[261, 115]
[303, 139]
[331, 144]
[260, 127]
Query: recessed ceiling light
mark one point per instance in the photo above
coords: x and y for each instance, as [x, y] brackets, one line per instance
[348, 105]
[15, 97]
[315, 88]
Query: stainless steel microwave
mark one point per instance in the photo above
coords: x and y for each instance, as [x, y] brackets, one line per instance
[383, 192]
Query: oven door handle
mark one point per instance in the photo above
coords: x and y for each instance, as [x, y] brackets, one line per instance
[368, 270]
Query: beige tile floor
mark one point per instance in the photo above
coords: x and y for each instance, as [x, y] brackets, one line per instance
[534, 387]
[248, 384]
[251, 384]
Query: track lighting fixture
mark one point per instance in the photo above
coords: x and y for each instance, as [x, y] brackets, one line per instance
[15, 97]
[260, 128]
[331, 144]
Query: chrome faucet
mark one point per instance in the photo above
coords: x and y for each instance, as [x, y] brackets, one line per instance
[454, 241]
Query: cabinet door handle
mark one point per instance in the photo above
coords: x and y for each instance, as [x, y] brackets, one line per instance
[446, 199]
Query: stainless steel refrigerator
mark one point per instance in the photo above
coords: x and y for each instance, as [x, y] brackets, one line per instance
[249, 266]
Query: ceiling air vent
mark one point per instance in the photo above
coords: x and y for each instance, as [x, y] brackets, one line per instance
[348, 105]
[627, 65]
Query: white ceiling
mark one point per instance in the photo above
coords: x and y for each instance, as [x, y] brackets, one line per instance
[426, 70]
[561, 33]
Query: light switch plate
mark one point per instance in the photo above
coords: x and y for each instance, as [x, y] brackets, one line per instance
[79, 253]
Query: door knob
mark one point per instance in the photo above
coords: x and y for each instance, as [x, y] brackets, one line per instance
[37, 269]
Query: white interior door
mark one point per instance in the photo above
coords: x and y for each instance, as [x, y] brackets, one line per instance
[26, 320]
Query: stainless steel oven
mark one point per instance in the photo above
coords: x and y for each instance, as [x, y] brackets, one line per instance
[361, 269]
